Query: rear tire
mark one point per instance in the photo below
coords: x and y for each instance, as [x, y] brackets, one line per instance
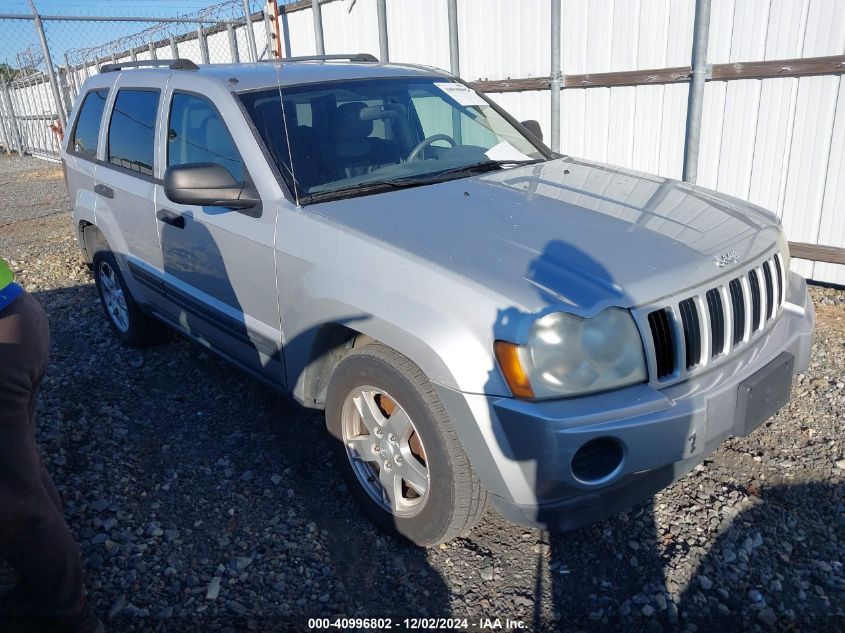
[407, 445]
[128, 322]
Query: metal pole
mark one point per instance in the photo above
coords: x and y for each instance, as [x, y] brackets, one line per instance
[5, 135]
[318, 26]
[174, 50]
[695, 104]
[284, 36]
[13, 122]
[152, 49]
[557, 76]
[455, 66]
[37, 110]
[269, 48]
[20, 107]
[274, 34]
[233, 44]
[454, 49]
[133, 55]
[31, 110]
[384, 48]
[250, 34]
[65, 86]
[203, 45]
[48, 62]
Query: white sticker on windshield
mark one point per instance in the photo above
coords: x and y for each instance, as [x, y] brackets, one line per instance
[506, 152]
[462, 94]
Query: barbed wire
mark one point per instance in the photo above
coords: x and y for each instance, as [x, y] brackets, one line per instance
[228, 11]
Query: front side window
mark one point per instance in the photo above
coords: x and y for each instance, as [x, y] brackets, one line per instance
[197, 134]
[132, 130]
[352, 137]
[87, 129]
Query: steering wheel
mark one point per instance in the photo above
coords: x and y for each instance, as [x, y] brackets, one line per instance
[428, 141]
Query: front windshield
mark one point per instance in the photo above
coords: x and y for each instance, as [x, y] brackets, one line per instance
[347, 138]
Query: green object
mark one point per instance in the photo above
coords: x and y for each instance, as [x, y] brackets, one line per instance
[6, 274]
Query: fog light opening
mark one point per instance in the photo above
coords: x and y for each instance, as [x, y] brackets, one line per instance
[597, 460]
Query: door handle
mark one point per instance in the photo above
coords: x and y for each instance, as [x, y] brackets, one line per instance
[102, 190]
[170, 217]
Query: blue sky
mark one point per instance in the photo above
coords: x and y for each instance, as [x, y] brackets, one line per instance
[158, 8]
[16, 35]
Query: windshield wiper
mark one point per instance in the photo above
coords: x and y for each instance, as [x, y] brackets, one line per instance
[474, 168]
[374, 186]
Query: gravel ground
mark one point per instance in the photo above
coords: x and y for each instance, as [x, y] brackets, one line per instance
[203, 501]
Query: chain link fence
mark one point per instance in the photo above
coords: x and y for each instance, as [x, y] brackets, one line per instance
[45, 59]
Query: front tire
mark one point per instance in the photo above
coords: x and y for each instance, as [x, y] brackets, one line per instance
[126, 319]
[399, 450]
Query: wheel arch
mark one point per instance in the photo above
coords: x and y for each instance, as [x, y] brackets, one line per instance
[330, 343]
[312, 356]
[91, 240]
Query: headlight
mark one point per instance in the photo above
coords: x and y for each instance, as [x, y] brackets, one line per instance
[567, 355]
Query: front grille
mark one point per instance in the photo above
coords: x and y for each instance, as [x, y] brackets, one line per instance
[716, 321]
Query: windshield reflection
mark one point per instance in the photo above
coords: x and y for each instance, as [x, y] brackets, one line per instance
[364, 136]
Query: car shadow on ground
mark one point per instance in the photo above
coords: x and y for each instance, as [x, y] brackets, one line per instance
[176, 469]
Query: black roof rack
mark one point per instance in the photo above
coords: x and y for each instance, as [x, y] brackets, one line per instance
[354, 57]
[172, 64]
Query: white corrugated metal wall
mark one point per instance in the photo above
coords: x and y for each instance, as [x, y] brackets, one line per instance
[779, 143]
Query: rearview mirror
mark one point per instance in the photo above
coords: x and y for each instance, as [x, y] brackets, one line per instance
[208, 184]
[534, 128]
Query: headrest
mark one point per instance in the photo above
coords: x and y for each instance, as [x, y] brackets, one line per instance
[348, 123]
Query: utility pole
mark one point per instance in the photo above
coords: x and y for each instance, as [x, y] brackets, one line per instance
[318, 26]
[273, 31]
[695, 105]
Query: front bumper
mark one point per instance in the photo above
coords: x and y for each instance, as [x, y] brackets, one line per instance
[523, 451]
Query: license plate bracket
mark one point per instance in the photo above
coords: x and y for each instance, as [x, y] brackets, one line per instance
[764, 393]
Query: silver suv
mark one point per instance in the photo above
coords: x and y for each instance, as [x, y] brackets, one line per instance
[480, 319]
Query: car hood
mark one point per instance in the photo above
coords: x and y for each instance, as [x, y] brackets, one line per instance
[566, 231]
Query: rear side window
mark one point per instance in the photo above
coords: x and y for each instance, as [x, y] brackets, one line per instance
[197, 134]
[132, 130]
[88, 123]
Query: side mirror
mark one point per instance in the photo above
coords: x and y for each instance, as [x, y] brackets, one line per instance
[208, 184]
[534, 128]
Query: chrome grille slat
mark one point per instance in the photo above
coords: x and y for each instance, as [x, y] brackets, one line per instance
[746, 298]
[779, 273]
[770, 290]
[691, 332]
[727, 312]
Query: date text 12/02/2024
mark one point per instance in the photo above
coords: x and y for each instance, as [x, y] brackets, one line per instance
[417, 624]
